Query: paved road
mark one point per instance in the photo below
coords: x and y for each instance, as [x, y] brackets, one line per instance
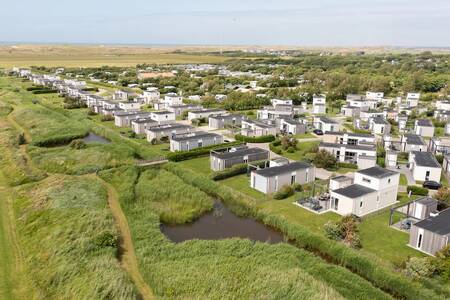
[405, 171]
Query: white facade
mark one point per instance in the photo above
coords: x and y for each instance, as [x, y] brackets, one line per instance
[163, 117]
[326, 124]
[378, 96]
[372, 189]
[130, 106]
[412, 99]
[424, 166]
[281, 102]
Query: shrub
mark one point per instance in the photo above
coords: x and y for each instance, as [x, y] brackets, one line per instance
[274, 148]
[417, 190]
[347, 165]
[325, 159]
[419, 267]
[233, 171]
[440, 158]
[46, 91]
[259, 139]
[309, 157]
[284, 192]
[381, 162]
[91, 113]
[291, 150]
[107, 118]
[21, 139]
[77, 144]
[297, 187]
[185, 155]
[442, 263]
[345, 230]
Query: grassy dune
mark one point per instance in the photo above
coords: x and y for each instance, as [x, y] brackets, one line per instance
[70, 240]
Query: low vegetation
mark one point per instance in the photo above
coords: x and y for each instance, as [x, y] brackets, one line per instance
[70, 241]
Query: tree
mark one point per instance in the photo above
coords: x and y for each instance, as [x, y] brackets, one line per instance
[325, 159]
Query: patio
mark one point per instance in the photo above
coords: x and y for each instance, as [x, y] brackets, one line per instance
[318, 205]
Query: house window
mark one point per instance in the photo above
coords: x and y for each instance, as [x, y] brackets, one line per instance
[427, 175]
[360, 204]
[419, 242]
[276, 183]
[293, 179]
[389, 180]
[336, 203]
[366, 180]
[200, 144]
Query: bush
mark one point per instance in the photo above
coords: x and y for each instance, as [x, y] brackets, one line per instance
[21, 139]
[77, 144]
[417, 190]
[107, 118]
[284, 192]
[309, 157]
[273, 147]
[345, 230]
[440, 158]
[291, 150]
[185, 155]
[227, 173]
[419, 268]
[259, 139]
[347, 165]
[325, 159]
[46, 91]
[91, 113]
[297, 187]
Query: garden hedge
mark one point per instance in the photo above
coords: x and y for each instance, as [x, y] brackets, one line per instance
[417, 190]
[259, 139]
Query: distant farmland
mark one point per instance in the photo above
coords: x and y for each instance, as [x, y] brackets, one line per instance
[96, 56]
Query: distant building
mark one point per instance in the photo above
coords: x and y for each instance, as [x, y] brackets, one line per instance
[222, 159]
[424, 166]
[424, 127]
[193, 140]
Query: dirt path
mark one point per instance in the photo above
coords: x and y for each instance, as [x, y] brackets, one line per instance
[12, 270]
[129, 260]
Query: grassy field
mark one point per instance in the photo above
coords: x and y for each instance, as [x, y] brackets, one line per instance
[95, 56]
[236, 268]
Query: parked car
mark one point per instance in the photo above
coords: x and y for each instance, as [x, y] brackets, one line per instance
[432, 185]
[318, 132]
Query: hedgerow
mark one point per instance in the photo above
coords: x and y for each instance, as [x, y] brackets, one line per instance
[185, 155]
[258, 139]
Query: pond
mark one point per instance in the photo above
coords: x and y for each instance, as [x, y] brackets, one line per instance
[221, 223]
[95, 138]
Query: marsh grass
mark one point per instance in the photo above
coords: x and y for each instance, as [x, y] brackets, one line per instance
[70, 240]
[231, 268]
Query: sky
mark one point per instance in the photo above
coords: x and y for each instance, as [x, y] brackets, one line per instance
[407, 23]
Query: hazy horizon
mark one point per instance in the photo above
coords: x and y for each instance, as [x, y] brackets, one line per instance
[323, 23]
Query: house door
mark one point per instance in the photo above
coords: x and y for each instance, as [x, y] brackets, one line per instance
[427, 175]
[293, 179]
[336, 203]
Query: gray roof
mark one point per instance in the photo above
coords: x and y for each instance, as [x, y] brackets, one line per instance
[168, 127]
[226, 117]
[425, 159]
[143, 120]
[354, 191]
[380, 121]
[239, 153]
[424, 122]
[350, 147]
[194, 136]
[413, 139]
[351, 134]
[259, 124]
[327, 120]
[377, 172]
[439, 224]
[162, 112]
[340, 178]
[426, 200]
[207, 110]
[274, 171]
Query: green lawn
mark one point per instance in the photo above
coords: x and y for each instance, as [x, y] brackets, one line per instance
[403, 180]
[307, 135]
[302, 149]
[383, 241]
[199, 165]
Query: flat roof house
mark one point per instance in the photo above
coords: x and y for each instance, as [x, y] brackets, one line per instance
[362, 155]
[222, 159]
[350, 111]
[130, 106]
[319, 104]
[179, 109]
[163, 117]
[205, 113]
[291, 126]
[221, 121]
[193, 140]
[256, 128]
[431, 234]
[439, 145]
[412, 142]
[270, 180]
[275, 112]
[124, 118]
[372, 189]
[123, 95]
[424, 166]
[412, 99]
[281, 101]
[424, 127]
[379, 126]
[167, 130]
[326, 124]
[140, 125]
[348, 138]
